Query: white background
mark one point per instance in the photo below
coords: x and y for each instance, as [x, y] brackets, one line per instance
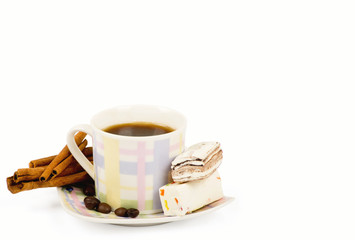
[273, 81]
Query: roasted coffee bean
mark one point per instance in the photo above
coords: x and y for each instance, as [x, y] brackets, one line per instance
[69, 188]
[91, 202]
[121, 212]
[104, 208]
[89, 190]
[132, 212]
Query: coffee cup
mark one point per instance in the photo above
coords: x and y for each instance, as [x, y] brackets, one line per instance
[129, 170]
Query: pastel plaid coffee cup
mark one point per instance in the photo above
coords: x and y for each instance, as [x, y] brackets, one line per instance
[129, 170]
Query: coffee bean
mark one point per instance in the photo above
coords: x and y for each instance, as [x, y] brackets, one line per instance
[104, 208]
[121, 212]
[69, 188]
[89, 190]
[91, 202]
[132, 212]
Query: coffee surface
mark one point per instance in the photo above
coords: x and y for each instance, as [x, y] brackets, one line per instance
[138, 129]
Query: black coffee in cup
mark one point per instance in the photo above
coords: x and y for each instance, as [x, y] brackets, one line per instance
[138, 129]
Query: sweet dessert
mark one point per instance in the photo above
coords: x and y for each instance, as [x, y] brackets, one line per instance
[196, 181]
[197, 162]
[177, 199]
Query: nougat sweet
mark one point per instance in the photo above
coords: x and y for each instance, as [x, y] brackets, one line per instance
[178, 199]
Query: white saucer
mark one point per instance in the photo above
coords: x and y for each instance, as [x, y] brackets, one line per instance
[73, 203]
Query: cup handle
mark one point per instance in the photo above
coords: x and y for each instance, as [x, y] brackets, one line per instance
[75, 151]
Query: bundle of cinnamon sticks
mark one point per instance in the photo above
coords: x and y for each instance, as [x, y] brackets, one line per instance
[53, 171]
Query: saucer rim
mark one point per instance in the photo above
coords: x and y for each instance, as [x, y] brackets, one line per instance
[140, 221]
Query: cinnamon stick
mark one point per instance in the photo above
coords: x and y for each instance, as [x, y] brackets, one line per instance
[30, 174]
[74, 167]
[65, 163]
[88, 151]
[57, 182]
[60, 157]
[47, 160]
[41, 162]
